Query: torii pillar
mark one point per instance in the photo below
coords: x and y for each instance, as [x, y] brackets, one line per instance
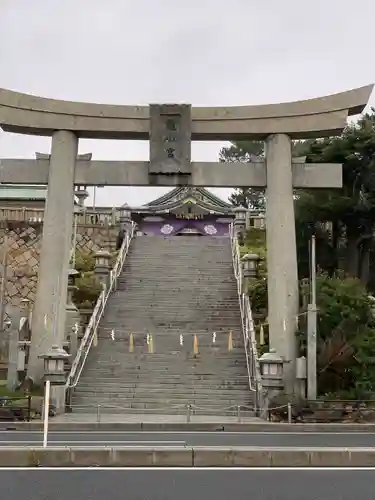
[49, 313]
[283, 290]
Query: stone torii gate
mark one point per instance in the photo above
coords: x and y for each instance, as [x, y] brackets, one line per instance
[170, 129]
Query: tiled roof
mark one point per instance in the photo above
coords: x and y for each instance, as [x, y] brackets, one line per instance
[166, 198]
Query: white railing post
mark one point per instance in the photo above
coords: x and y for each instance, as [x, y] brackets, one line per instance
[46, 412]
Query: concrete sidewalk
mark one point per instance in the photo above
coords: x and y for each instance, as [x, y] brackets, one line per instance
[130, 418]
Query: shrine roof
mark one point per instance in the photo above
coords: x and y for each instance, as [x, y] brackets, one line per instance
[179, 193]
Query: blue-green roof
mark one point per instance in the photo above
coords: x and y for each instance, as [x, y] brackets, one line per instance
[22, 192]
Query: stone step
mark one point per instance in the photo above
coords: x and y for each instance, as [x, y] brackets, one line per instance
[142, 394]
[164, 404]
[177, 388]
[175, 368]
[238, 397]
[157, 328]
[147, 370]
[168, 384]
[167, 347]
[210, 378]
[162, 409]
[203, 308]
[147, 374]
[107, 352]
[169, 355]
[113, 360]
[216, 301]
[123, 329]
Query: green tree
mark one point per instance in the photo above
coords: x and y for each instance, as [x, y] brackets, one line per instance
[88, 286]
[244, 152]
[88, 290]
[342, 219]
[251, 151]
[346, 334]
[346, 337]
[85, 261]
[349, 211]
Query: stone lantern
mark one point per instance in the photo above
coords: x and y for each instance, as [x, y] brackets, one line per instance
[250, 266]
[81, 193]
[54, 365]
[125, 216]
[272, 371]
[73, 274]
[240, 219]
[102, 266]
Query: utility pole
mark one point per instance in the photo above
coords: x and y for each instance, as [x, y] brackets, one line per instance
[73, 251]
[94, 200]
[3, 280]
[312, 328]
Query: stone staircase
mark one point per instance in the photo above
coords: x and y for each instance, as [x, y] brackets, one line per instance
[170, 286]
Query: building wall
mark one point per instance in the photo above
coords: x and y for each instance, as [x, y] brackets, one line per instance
[24, 242]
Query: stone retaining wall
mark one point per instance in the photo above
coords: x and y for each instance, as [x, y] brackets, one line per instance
[24, 241]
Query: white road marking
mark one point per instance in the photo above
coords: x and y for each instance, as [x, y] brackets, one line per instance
[211, 433]
[184, 469]
[101, 443]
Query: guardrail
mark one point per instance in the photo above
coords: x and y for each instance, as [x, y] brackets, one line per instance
[187, 412]
[251, 352]
[92, 327]
[85, 216]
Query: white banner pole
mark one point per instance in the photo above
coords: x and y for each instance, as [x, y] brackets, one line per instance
[46, 412]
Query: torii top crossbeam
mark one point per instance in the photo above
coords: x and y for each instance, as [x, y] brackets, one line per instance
[320, 117]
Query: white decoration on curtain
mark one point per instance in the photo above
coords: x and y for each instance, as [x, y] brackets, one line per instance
[166, 229]
[210, 229]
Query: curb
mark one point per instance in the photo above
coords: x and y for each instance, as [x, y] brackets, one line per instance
[185, 457]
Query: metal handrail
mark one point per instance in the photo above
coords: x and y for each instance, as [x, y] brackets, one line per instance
[92, 327]
[253, 353]
[248, 331]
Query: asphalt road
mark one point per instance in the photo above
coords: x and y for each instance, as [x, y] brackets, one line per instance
[97, 484]
[143, 438]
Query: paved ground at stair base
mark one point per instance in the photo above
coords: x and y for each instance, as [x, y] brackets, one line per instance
[185, 457]
[162, 419]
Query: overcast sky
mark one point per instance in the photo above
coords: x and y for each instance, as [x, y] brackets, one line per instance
[203, 52]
